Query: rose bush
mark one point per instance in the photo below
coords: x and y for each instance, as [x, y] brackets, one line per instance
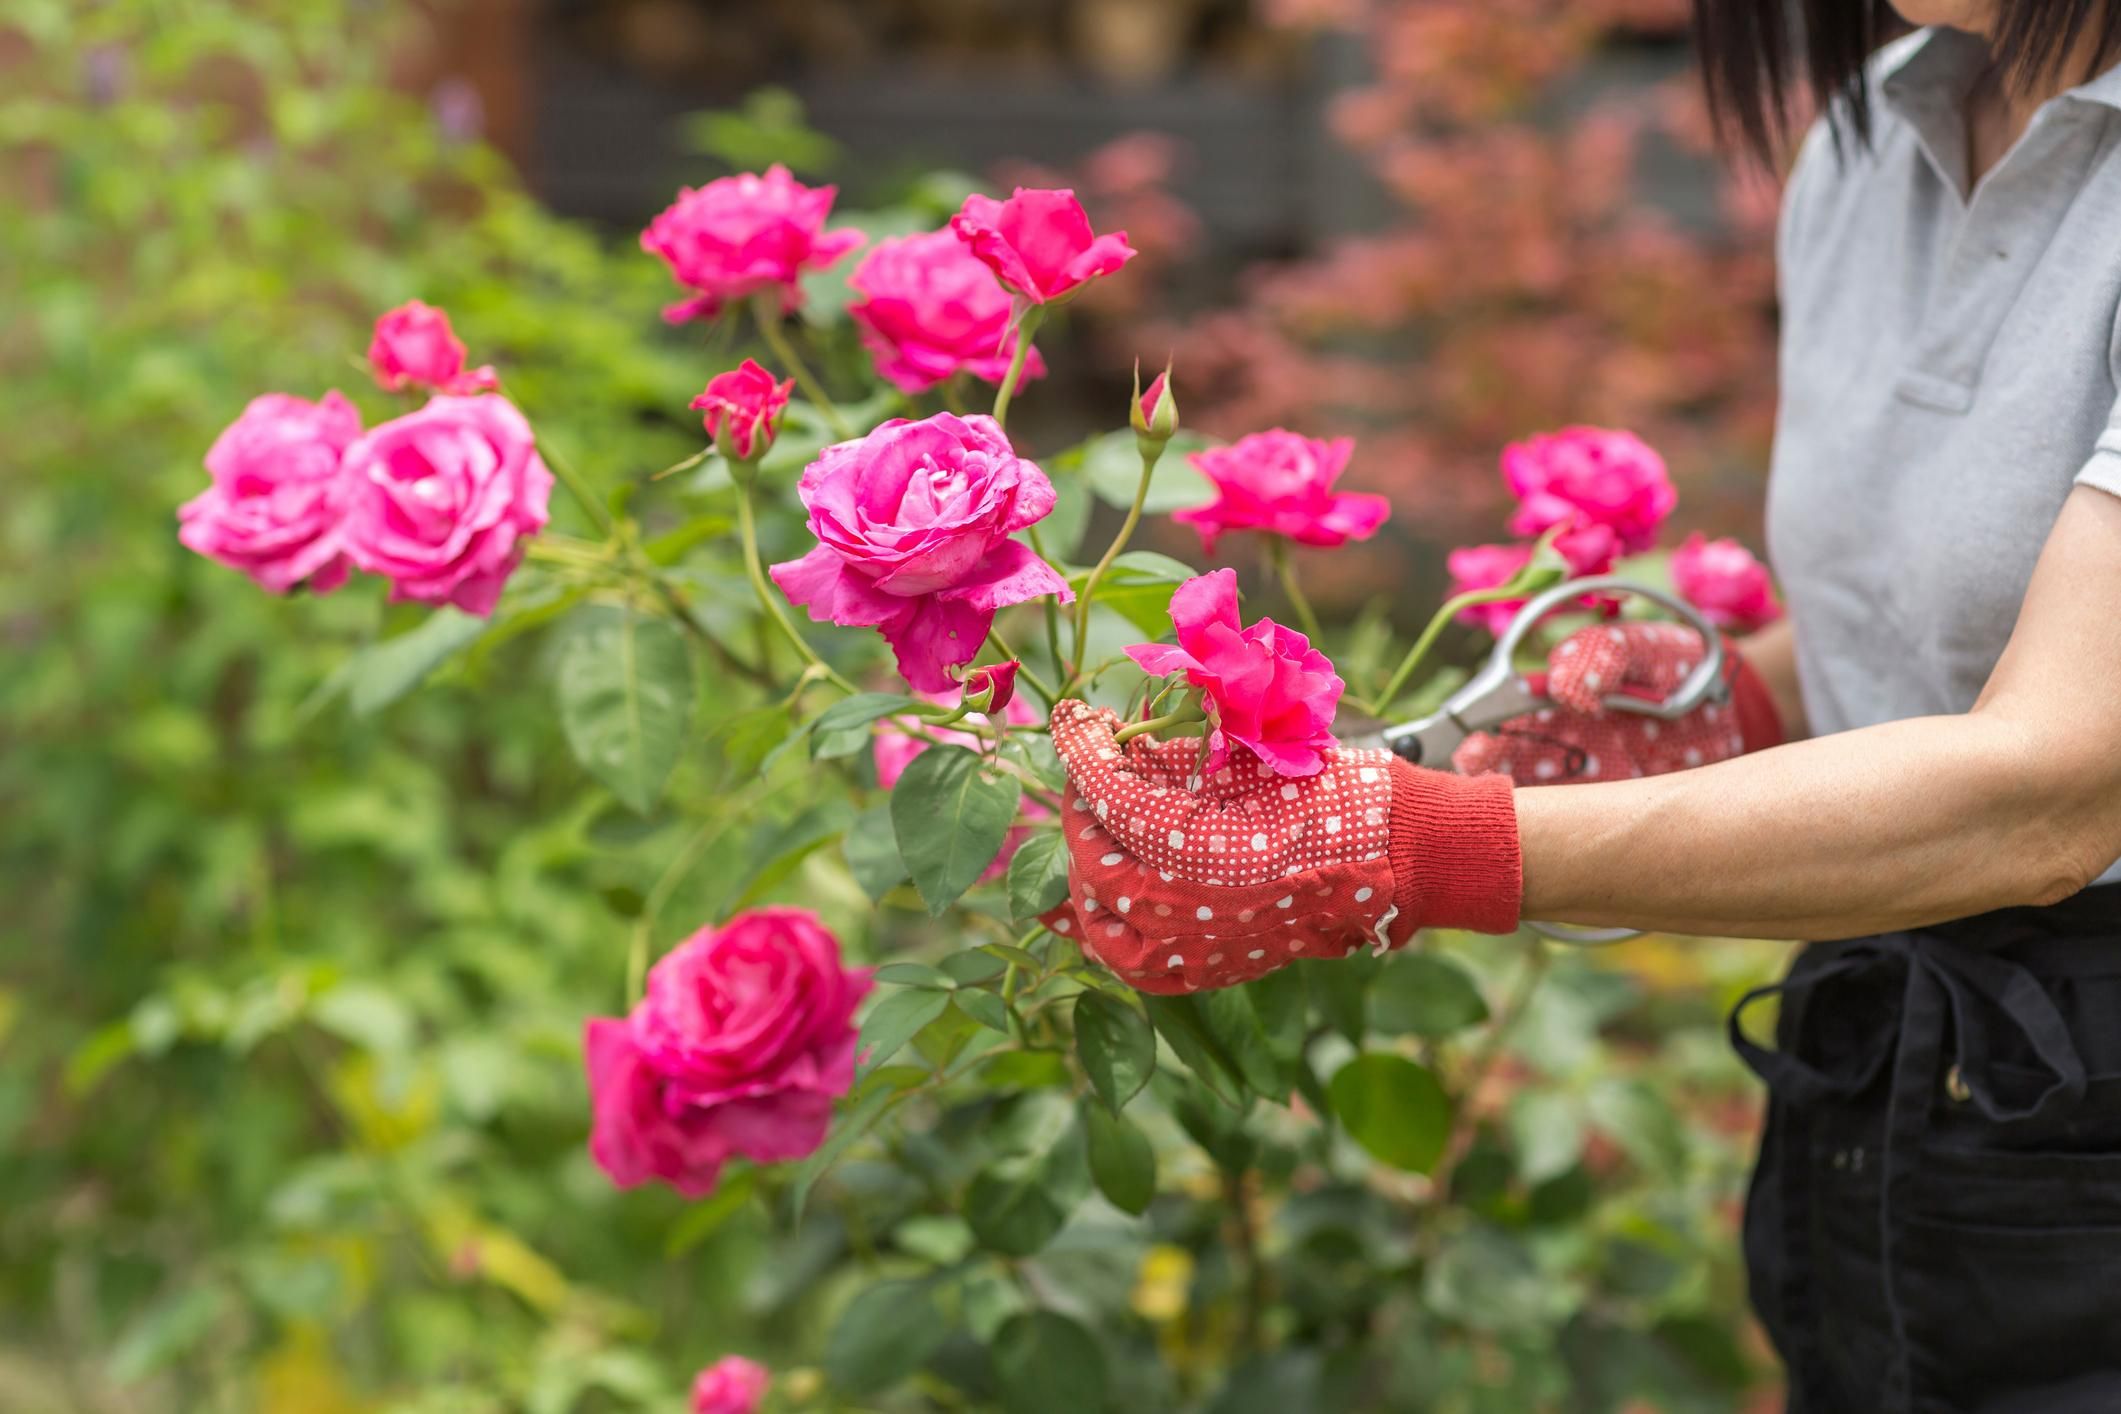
[305, 1119]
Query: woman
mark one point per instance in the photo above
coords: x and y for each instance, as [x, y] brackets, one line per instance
[1923, 762]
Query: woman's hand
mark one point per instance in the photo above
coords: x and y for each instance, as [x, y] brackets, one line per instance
[1179, 883]
[1579, 739]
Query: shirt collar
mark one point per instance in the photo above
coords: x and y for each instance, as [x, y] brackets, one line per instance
[1933, 70]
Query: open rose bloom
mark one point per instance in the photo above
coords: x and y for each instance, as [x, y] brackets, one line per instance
[1039, 243]
[1591, 476]
[739, 235]
[930, 309]
[1269, 691]
[1282, 484]
[442, 500]
[731, 1385]
[1722, 579]
[913, 524]
[743, 1041]
[278, 493]
[414, 347]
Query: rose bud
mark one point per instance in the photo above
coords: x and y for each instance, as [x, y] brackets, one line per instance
[1155, 413]
[990, 687]
[743, 410]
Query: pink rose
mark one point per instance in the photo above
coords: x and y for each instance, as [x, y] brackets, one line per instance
[929, 309]
[913, 524]
[1723, 580]
[1483, 567]
[731, 1385]
[1589, 550]
[1591, 475]
[1268, 689]
[896, 747]
[278, 493]
[415, 347]
[1282, 484]
[1039, 243]
[745, 1037]
[738, 235]
[996, 679]
[749, 403]
[443, 499]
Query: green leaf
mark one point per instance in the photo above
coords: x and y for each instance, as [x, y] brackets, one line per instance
[851, 714]
[1339, 987]
[167, 1330]
[973, 966]
[625, 687]
[1010, 1210]
[871, 1107]
[1641, 1122]
[871, 851]
[1116, 1046]
[1422, 994]
[951, 813]
[1178, 1021]
[1393, 1108]
[916, 974]
[892, 1022]
[1547, 1130]
[984, 1007]
[1147, 564]
[1061, 532]
[1231, 1020]
[1489, 1281]
[1281, 1001]
[885, 1334]
[1047, 1364]
[383, 672]
[1038, 876]
[366, 1015]
[749, 736]
[704, 1218]
[1113, 466]
[1121, 1159]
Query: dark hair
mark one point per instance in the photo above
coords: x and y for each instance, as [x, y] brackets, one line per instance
[1754, 51]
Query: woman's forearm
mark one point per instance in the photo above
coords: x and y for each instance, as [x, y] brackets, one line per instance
[1861, 832]
[1772, 655]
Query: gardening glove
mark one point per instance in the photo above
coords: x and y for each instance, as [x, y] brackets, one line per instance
[1179, 883]
[1579, 739]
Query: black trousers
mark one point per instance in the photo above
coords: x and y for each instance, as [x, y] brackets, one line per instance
[1935, 1220]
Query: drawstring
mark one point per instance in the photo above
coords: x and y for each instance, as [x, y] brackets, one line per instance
[1942, 983]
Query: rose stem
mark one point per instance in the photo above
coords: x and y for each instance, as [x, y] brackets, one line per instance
[1051, 606]
[1150, 453]
[1278, 556]
[765, 306]
[1025, 328]
[748, 530]
[1188, 711]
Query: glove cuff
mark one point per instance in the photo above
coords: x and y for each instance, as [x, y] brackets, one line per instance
[1456, 861]
[1759, 724]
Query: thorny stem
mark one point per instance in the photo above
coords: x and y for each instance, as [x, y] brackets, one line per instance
[1188, 711]
[1151, 452]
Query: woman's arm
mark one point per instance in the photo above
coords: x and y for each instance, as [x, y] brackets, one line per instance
[1772, 653]
[2018, 801]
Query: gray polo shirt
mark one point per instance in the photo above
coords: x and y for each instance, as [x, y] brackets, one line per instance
[1949, 370]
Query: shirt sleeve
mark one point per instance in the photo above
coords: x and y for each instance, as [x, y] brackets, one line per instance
[2103, 468]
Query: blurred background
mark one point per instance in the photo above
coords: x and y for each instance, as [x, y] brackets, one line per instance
[290, 990]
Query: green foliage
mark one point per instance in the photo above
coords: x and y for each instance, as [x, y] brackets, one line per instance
[316, 894]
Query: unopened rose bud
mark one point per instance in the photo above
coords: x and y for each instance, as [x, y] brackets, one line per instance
[1155, 413]
[990, 687]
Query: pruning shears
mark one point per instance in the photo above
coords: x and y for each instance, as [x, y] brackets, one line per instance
[1498, 692]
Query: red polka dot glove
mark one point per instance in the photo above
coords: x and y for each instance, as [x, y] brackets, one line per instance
[1178, 883]
[1578, 739]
